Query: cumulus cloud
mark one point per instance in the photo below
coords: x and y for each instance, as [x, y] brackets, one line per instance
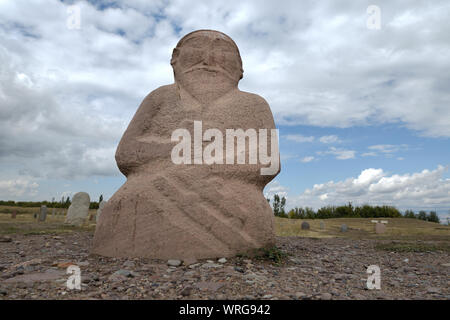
[66, 96]
[329, 139]
[23, 186]
[377, 187]
[341, 154]
[299, 138]
[274, 187]
[307, 159]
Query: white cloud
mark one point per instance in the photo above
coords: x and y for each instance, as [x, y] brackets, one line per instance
[369, 154]
[23, 186]
[341, 154]
[387, 148]
[377, 187]
[307, 159]
[299, 138]
[329, 139]
[274, 187]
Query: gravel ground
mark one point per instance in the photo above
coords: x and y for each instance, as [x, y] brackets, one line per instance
[34, 267]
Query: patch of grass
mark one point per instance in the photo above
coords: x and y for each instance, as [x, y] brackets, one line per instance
[362, 228]
[273, 254]
[412, 247]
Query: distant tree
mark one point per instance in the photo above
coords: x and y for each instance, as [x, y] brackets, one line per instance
[433, 217]
[67, 202]
[276, 205]
[422, 215]
[409, 214]
[282, 205]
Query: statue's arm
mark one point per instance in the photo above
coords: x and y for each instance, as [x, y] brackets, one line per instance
[134, 150]
[269, 124]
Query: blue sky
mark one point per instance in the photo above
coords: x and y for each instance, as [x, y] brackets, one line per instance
[364, 114]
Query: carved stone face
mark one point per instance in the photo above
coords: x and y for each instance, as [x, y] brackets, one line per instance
[207, 57]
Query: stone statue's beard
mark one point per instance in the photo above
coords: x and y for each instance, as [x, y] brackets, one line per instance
[205, 83]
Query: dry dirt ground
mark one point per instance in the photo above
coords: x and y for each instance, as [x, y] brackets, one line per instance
[35, 256]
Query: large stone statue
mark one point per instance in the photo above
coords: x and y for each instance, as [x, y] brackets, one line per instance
[198, 208]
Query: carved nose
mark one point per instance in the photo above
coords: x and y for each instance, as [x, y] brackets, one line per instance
[208, 59]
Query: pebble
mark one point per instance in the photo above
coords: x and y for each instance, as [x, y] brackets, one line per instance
[211, 265]
[186, 291]
[222, 260]
[129, 264]
[123, 272]
[174, 263]
[433, 290]
[325, 296]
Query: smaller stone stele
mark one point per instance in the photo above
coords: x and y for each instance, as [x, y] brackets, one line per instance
[99, 210]
[43, 213]
[14, 214]
[305, 225]
[322, 225]
[344, 228]
[380, 228]
[78, 210]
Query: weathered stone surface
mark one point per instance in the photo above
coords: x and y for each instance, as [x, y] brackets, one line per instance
[305, 225]
[79, 209]
[344, 228]
[99, 210]
[182, 211]
[380, 228]
[43, 213]
[37, 277]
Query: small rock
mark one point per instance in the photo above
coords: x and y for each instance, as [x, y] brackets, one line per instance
[222, 260]
[174, 263]
[209, 285]
[301, 295]
[267, 296]
[65, 265]
[211, 265]
[433, 290]
[239, 269]
[325, 296]
[129, 264]
[125, 273]
[5, 239]
[186, 291]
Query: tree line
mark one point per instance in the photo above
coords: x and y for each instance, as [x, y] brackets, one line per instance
[346, 211]
[64, 203]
